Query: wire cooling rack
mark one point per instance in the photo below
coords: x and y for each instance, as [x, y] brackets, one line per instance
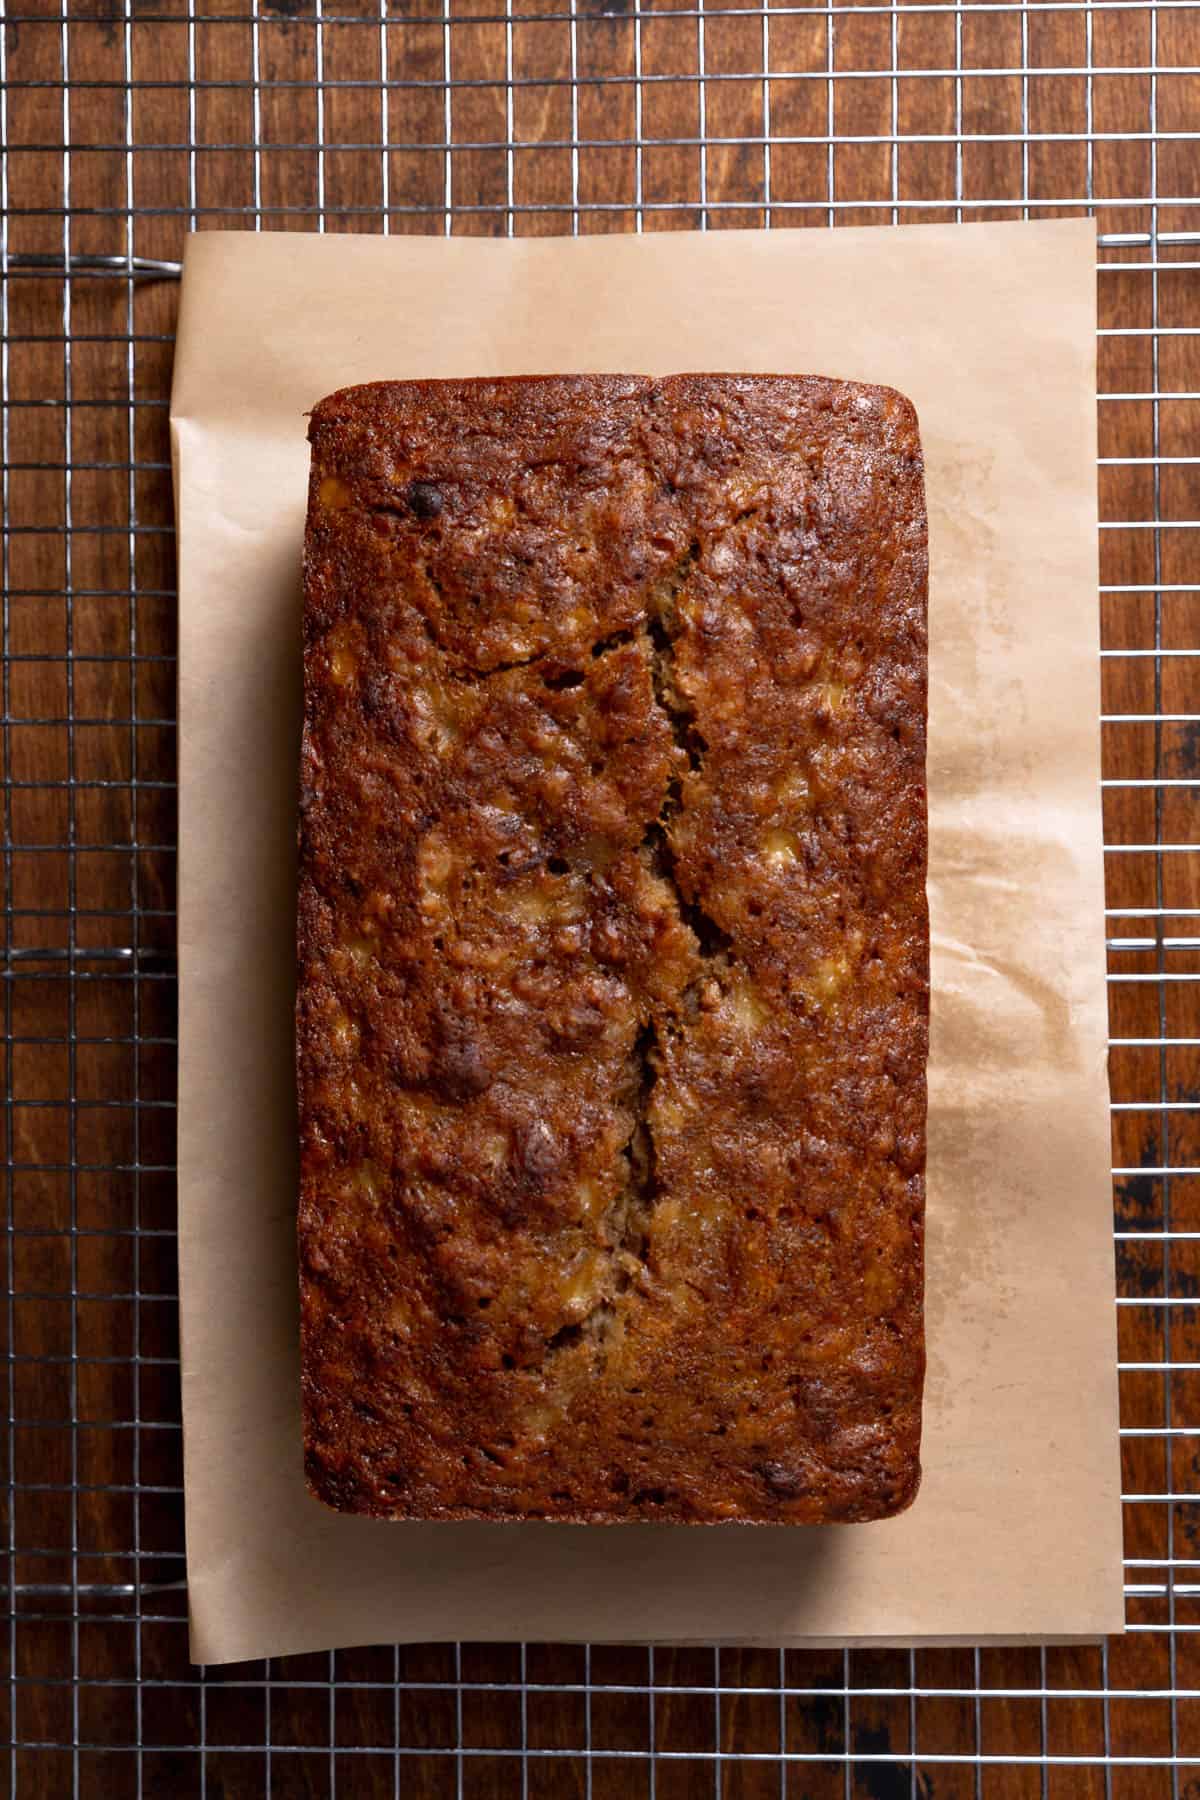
[126, 125]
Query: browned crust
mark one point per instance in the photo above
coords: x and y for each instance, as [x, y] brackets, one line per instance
[613, 948]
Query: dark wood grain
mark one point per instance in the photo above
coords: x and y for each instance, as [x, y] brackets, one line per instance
[80, 1119]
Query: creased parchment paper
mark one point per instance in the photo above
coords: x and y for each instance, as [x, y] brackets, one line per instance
[991, 330]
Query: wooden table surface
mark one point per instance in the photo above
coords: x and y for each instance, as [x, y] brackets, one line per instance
[867, 116]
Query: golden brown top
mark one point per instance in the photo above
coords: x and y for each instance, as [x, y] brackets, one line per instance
[613, 997]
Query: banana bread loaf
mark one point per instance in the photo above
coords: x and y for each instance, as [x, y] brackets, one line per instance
[613, 950]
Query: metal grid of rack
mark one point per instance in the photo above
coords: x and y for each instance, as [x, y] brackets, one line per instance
[123, 126]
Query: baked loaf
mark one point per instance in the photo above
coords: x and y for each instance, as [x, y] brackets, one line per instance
[613, 950]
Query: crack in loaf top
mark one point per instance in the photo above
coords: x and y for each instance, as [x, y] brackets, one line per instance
[613, 995]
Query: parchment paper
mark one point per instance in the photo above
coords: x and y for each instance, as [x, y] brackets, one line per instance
[991, 330]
